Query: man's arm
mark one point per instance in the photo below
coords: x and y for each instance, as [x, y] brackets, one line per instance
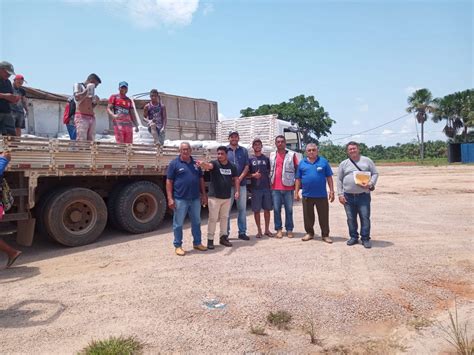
[145, 112]
[244, 173]
[169, 193]
[236, 188]
[10, 98]
[206, 166]
[24, 102]
[331, 188]
[374, 174]
[133, 116]
[340, 188]
[297, 189]
[80, 95]
[110, 111]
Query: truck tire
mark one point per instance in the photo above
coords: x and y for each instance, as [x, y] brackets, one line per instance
[40, 212]
[111, 203]
[140, 207]
[75, 216]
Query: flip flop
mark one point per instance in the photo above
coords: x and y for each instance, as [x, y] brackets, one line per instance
[258, 235]
[12, 260]
[269, 234]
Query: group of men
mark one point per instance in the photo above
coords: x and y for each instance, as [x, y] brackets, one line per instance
[13, 102]
[120, 109]
[276, 182]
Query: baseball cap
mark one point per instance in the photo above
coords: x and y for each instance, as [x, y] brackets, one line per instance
[20, 77]
[123, 83]
[8, 67]
[233, 132]
[256, 140]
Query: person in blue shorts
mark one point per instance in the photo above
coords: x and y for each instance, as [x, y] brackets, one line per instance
[261, 197]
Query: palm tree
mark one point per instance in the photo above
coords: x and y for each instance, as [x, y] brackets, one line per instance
[421, 103]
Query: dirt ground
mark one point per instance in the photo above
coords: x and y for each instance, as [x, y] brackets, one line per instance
[389, 299]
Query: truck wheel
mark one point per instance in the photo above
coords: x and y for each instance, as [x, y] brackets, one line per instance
[111, 203]
[140, 207]
[40, 212]
[75, 216]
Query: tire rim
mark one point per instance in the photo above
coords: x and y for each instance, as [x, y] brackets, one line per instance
[80, 217]
[144, 207]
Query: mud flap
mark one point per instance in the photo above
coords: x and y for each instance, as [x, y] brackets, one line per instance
[25, 232]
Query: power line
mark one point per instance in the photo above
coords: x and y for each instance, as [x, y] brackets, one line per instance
[372, 129]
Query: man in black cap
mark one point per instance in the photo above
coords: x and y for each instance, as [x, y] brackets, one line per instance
[7, 124]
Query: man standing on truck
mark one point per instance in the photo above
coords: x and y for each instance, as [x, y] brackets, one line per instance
[155, 113]
[239, 156]
[86, 101]
[120, 110]
[313, 173]
[283, 166]
[223, 177]
[7, 97]
[185, 191]
[19, 109]
[259, 166]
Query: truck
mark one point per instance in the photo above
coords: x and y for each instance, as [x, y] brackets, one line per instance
[71, 190]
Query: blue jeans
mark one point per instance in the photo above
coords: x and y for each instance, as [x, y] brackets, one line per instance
[192, 208]
[71, 129]
[242, 208]
[281, 197]
[358, 204]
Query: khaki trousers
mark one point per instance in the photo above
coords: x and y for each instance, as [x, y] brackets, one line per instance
[218, 211]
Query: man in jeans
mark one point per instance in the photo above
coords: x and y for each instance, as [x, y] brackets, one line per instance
[239, 156]
[283, 165]
[356, 196]
[184, 184]
[223, 177]
[313, 173]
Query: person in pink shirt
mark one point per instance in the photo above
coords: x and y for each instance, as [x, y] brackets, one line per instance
[283, 166]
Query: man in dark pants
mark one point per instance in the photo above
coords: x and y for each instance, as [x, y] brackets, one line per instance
[7, 97]
[354, 193]
[313, 173]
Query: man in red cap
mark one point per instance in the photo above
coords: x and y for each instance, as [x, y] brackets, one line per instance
[19, 109]
[7, 126]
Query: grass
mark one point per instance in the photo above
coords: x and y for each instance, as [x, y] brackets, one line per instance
[457, 335]
[113, 346]
[427, 162]
[257, 330]
[419, 322]
[279, 319]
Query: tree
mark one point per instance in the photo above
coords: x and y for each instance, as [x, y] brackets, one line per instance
[421, 103]
[313, 121]
[458, 111]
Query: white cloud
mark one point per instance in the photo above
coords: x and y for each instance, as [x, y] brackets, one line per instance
[411, 89]
[221, 116]
[386, 132]
[151, 13]
[355, 122]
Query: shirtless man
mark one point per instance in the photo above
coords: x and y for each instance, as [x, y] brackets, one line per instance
[86, 101]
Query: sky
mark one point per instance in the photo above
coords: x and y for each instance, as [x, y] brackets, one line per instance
[359, 59]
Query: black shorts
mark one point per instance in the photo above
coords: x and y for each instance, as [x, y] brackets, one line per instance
[7, 124]
[261, 199]
[19, 118]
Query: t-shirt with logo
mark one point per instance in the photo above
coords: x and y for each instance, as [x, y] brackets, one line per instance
[313, 176]
[262, 164]
[122, 107]
[186, 176]
[18, 107]
[222, 179]
[155, 114]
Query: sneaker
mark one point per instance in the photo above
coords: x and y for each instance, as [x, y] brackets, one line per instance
[289, 234]
[352, 241]
[200, 247]
[367, 244]
[224, 240]
[180, 251]
[244, 236]
[307, 237]
[279, 234]
[327, 240]
[210, 244]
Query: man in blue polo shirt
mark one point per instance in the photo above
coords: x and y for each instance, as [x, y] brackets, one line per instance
[184, 184]
[312, 175]
[239, 156]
